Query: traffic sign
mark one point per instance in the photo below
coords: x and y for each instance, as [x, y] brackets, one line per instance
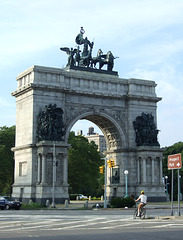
[174, 161]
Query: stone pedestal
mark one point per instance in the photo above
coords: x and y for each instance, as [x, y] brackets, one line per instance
[144, 173]
[49, 163]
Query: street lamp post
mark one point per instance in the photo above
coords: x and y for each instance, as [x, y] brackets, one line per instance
[166, 188]
[179, 188]
[126, 181]
[179, 193]
[166, 184]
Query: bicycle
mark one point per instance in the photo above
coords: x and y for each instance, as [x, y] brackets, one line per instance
[142, 213]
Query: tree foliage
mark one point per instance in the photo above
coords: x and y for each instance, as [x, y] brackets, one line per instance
[83, 166]
[7, 141]
[174, 149]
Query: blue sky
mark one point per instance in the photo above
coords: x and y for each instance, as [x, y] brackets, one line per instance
[146, 35]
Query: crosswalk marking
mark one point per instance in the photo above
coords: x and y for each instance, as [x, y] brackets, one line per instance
[169, 225]
[90, 223]
[19, 225]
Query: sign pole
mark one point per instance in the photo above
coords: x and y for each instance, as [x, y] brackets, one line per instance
[178, 194]
[175, 162]
[172, 195]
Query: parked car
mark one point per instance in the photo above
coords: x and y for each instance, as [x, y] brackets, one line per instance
[81, 196]
[8, 202]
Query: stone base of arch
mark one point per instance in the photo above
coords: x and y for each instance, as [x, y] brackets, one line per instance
[144, 167]
[46, 161]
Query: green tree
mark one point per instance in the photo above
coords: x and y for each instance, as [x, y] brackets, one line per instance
[83, 166]
[174, 149]
[7, 141]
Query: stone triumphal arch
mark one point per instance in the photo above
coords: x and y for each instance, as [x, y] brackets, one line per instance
[48, 103]
[50, 100]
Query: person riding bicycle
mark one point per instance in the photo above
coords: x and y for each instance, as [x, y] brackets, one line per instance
[143, 201]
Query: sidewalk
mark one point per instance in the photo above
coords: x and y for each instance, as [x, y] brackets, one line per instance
[163, 205]
[82, 204]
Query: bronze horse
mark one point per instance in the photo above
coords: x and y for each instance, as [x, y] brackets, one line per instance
[107, 59]
[96, 59]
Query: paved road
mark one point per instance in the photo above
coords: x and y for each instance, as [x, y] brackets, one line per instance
[101, 224]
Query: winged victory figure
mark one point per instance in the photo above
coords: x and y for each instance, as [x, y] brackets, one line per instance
[71, 52]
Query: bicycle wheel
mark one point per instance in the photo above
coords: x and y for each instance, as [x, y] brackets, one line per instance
[135, 214]
[143, 213]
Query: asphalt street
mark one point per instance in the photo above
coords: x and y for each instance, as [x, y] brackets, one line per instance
[89, 224]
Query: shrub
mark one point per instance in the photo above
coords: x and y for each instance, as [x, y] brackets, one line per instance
[95, 198]
[122, 202]
[32, 206]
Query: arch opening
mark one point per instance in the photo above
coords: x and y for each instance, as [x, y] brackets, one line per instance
[114, 138]
[113, 133]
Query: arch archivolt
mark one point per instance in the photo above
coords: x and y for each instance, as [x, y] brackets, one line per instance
[112, 125]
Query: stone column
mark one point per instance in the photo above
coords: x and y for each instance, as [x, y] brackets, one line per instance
[65, 169]
[160, 170]
[152, 167]
[39, 169]
[144, 170]
[43, 168]
[138, 170]
[55, 167]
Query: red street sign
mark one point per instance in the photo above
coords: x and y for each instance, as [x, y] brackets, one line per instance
[174, 161]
